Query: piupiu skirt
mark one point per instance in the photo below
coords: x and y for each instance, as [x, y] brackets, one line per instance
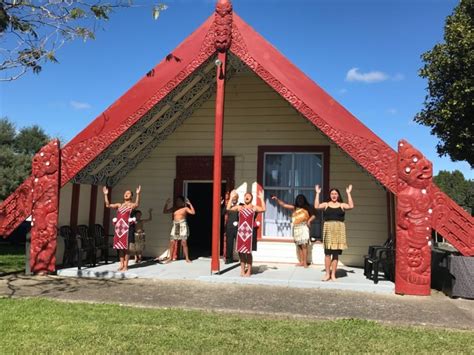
[334, 235]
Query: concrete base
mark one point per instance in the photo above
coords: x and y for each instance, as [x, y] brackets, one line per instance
[271, 252]
[286, 275]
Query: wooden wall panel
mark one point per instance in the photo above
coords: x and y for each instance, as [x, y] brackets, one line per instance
[254, 115]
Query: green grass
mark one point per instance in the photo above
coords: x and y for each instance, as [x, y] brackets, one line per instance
[44, 326]
[12, 258]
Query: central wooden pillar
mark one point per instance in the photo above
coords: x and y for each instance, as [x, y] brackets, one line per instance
[222, 39]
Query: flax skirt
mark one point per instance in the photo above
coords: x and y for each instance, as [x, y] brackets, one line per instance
[334, 235]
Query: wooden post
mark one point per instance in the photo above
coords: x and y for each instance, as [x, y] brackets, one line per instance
[217, 176]
[222, 41]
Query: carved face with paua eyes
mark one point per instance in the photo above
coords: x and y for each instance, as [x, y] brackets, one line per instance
[414, 257]
[413, 167]
[223, 28]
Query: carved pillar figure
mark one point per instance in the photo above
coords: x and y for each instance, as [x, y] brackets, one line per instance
[223, 25]
[414, 209]
[45, 198]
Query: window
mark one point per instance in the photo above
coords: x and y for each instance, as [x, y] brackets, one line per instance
[287, 172]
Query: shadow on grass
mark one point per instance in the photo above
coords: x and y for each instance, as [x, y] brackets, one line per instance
[12, 258]
[21, 285]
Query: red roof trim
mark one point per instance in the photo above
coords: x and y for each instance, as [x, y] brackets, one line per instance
[137, 101]
[315, 104]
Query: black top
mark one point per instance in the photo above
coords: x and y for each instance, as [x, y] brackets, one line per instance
[232, 216]
[334, 214]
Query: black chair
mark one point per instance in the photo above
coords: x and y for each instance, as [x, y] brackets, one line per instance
[69, 238]
[380, 258]
[102, 242]
[85, 243]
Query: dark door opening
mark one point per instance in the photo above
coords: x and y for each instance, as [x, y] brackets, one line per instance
[200, 225]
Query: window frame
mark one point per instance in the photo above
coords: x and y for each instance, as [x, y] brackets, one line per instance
[324, 150]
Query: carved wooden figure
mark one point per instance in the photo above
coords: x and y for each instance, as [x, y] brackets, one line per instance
[45, 199]
[414, 209]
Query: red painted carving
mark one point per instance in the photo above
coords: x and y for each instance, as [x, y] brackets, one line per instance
[452, 222]
[223, 25]
[376, 157]
[76, 157]
[45, 194]
[414, 210]
[16, 208]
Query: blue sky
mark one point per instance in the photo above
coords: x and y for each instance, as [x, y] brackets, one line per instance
[365, 53]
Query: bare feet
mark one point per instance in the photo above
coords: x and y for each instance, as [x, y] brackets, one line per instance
[299, 264]
[248, 272]
[188, 261]
[333, 278]
[326, 278]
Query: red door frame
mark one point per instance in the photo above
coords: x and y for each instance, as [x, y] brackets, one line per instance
[201, 168]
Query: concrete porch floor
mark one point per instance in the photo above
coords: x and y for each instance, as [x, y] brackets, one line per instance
[272, 274]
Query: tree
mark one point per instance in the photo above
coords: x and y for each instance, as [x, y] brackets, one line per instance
[457, 187]
[16, 151]
[32, 31]
[449, 69]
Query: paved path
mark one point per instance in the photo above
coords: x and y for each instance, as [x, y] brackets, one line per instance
[270, 301]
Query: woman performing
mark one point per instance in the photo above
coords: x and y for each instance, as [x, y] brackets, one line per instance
[137, 235]
[231, 224]
[122, 223]
[180, 229]
[334, 231]
[301, 220]
[246, 240]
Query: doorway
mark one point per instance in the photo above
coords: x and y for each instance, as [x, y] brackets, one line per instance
[200, 225]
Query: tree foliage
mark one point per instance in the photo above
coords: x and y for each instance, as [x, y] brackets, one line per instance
[457, 187]
[449, 69]
[32, 31]
[16, 151]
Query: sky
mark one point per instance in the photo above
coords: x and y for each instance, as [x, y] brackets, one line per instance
[364, 53]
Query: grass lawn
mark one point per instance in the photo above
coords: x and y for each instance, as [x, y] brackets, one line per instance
[12, 258]
[44, 326]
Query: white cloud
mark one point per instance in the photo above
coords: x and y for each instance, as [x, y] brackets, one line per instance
[370, 77]
[342, 91]
[392, 111]
[79, 105]
[374, 76]
[398, 77]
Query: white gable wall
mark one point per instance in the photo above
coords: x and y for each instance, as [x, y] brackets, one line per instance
[254, 115]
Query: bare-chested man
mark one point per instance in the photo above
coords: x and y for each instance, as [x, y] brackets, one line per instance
[180, 229]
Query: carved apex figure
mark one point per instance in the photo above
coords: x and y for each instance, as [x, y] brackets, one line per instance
[45, 195]
[223, 25]
[414, 209]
